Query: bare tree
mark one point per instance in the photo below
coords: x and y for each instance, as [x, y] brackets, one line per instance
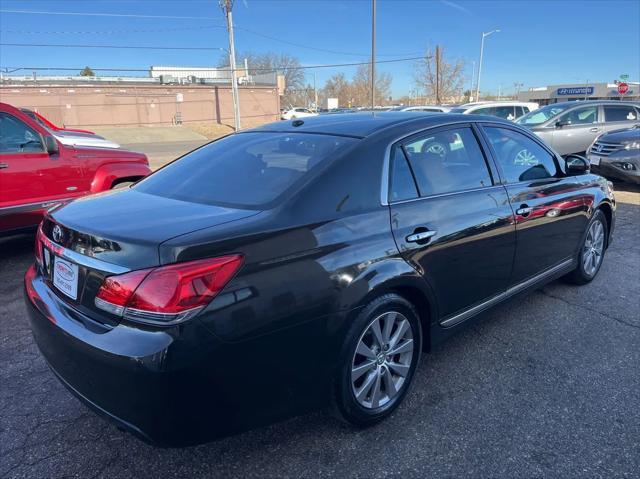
[279, 63]
[338, 87]
[362, 86]
[440, 79]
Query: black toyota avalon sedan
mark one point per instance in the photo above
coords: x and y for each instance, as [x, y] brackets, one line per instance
[302, 264]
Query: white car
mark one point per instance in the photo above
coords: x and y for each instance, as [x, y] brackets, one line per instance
[509, 110]
[297, 113]
[424, 108]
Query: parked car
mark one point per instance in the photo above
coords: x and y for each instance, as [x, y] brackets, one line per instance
[297, 113]
[571, 127]
[302, 263]
[617, 154]
[37, 170]
[34, 115]
[423, 108]
[508, 110]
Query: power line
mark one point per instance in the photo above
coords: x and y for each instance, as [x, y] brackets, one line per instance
[125, 47]
[271, 69]
[128, 15]
[253, 32]
[109, 32]
[317, 49]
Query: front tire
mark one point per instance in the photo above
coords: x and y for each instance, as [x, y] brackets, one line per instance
[378, 360]
[592, 249]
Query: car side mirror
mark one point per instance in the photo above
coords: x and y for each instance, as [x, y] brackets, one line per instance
[577, 165]
[560, 124]
[51, 144]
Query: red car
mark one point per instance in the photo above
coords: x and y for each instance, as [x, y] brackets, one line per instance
[34, 115]
[37, 171]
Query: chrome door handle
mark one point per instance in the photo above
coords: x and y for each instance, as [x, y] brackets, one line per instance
[524, 211]
[594, 130]
[3, 166]
[423, 235]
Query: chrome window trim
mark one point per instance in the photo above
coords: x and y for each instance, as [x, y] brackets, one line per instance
[386, 166]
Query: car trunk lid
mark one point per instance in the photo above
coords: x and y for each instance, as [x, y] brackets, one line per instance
[85, 241]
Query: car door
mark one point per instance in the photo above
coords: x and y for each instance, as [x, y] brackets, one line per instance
[617, 117]
[576, 129]
[549, 207]
[29, 176]
[449, 219]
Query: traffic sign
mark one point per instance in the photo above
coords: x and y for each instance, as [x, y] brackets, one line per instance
[623, 88]
[624, 77]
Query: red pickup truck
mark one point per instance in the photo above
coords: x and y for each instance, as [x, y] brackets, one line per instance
[37, 171]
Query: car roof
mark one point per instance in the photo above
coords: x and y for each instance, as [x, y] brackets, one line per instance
[364, 124]
[594, 102]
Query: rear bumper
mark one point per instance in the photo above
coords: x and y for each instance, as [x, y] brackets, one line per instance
[140, 379]
[181, 385]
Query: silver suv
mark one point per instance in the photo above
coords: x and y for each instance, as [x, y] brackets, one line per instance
[571, 127]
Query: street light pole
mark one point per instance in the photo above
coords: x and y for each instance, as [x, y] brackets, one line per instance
[480, 63]
[373, 53]
[226, 6]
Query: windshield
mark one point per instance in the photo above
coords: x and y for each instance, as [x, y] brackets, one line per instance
[537, 117]
[457, 110]
[244, 170]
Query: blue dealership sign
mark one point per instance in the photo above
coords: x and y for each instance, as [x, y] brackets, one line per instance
[581, 90]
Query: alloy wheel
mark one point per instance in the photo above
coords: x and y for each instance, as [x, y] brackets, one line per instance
[593, 248]
[382, 360]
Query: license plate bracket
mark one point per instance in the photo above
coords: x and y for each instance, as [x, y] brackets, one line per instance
[65, 277]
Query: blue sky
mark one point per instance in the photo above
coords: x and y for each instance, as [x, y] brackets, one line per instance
[541, 42]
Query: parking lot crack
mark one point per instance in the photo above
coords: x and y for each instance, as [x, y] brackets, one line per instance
[587, 308]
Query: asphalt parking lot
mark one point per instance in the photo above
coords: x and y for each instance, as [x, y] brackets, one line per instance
[546, 386]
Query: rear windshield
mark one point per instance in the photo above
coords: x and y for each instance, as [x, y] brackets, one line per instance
[244, 170]
[457, 110]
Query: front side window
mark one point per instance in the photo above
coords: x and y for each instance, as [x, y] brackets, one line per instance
[537, 117]
[519, 157]
[619, 113]
[17, 137]
[244, 170]
[447, 161]
[581, 116]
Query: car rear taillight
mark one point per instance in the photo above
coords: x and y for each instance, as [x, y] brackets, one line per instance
[167, 294]
[38, 247]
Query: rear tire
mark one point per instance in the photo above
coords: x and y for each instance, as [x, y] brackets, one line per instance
[378, 360]
[592, 250]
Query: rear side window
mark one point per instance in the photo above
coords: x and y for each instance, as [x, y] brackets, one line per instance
[17, 137]
[520, 158]
[619, 113]
[447, 161]
[403, 187]
[244, 170]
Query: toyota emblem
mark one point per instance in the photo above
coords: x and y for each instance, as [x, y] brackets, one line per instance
[57, 234]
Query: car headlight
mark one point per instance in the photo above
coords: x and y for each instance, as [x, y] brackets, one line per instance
[631, 145]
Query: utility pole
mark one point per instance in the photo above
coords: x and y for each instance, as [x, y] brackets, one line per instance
[473, 79]
[373, 53]
[315, 91]
[437, 74]
[480, 64]
[227, 6]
